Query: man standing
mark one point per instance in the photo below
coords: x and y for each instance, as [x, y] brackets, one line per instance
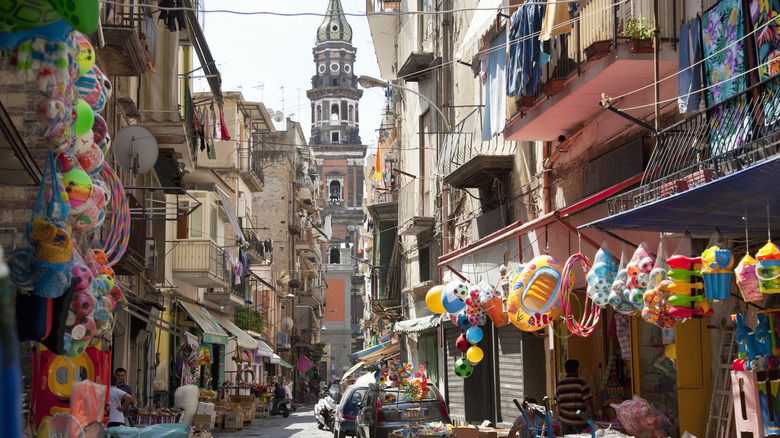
[121, 375]
[119, 401]
[573, 394]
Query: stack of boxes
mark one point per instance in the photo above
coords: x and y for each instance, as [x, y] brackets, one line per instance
[247, 405]
[205, 417]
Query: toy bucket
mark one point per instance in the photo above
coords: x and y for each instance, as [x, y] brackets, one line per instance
[717, 286]
[768, 272]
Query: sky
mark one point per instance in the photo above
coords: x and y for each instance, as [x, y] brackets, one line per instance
[260, 54]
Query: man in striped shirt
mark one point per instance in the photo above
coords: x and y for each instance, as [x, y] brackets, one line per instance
[573, 394]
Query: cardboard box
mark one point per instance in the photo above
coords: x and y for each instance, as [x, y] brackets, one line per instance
[201, 422]
[234, 420]
[488, 433]
[205, 408]
[243, 399]
[466, 432]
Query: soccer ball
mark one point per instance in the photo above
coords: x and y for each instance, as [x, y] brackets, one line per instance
[463, 368]
[462, 344]
[463, 319]
[461, 290]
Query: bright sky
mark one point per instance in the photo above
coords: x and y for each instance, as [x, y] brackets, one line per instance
[260, 54]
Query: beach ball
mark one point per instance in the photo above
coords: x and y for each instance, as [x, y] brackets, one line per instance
[60, 137]
[474, 354]
[53, 110]
[433, 299]
[51, 86]
[85, 118]
[78, 185]
[92, 160]
[89, 87]
[463, 368]
[474, 334]
[86, 54]
[461, 343]
[450, 301]
[83, 143]
[99, 130]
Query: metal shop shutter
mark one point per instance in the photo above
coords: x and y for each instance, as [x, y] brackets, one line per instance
[455, 391]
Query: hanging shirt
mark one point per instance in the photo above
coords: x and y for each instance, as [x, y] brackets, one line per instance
[523, 68]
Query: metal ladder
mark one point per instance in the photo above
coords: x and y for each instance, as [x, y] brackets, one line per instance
[721, 405]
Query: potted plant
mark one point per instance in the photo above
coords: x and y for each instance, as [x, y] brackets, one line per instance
[640, 35]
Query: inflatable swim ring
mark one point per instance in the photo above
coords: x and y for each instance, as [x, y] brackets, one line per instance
[534, 300]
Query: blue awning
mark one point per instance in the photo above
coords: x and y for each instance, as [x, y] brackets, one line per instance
[721, 203]
[361, 353]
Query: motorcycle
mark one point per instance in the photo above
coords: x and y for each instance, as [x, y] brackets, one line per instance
[324, 411]
[281, 406]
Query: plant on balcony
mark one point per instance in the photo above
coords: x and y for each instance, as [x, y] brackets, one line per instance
[640, 35]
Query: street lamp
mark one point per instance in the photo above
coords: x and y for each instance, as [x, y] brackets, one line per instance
[371, 82]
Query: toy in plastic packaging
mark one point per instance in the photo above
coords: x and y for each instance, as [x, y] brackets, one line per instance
[768, 268]
[601, 276]
[639, 417]
[747, 279]
[87, 400]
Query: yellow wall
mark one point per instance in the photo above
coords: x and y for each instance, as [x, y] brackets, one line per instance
[694, 378]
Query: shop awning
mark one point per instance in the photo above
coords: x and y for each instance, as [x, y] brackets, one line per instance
[392, 351]
[212, 332]
[369, 350]
[352, 369]
[718, 204]
[264, 350]
[481, 21]
[243, 339]
[284, 363]
[275, 358]
[144, 315]
[417, 324]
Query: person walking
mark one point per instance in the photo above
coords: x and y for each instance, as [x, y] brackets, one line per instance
[119, 401]
[573, 394]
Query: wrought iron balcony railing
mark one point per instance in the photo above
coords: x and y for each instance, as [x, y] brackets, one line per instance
[730, 136]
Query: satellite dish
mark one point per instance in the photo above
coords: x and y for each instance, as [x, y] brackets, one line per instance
[270, 111]
[287, 324]
[278, 116]
[135, 149]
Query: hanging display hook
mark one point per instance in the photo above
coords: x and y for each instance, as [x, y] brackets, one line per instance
[747, 241]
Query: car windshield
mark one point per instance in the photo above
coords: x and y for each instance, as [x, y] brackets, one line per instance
[387, 395]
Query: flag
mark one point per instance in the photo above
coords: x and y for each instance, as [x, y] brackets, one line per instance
[378, 170]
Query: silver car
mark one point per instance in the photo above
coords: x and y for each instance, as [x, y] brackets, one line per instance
[379, 414]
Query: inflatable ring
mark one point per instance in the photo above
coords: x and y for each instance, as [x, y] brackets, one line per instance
[534, 300]
[240, 375]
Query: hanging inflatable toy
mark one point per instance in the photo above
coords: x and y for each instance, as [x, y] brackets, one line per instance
[535, 297]
[601, 276]
[747, 279]
[592, 312]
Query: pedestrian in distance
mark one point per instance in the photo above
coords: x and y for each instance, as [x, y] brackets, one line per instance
[119, 401]
[572, 395]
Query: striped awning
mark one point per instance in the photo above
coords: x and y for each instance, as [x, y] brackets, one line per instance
[417, 324]
[243, 339]
[212, 332]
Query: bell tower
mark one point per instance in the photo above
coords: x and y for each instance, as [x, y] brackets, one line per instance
[334, 94]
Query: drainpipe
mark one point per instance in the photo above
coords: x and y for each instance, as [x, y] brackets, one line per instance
[445, 223]
[546, 179]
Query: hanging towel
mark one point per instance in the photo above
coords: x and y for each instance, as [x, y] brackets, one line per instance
[523, 68]
[555, 20]
[689, 80]
[215, 128]
[495, 100]
[223, 131]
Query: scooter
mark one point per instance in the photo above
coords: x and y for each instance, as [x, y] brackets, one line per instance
[281, 406]
[324, 410]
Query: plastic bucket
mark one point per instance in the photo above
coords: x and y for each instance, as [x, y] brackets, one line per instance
[717, 286]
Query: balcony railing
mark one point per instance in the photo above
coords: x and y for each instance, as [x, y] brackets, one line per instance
[730, 136]
[123, 53]
[255, 245]
[250, 161]
[202, 260]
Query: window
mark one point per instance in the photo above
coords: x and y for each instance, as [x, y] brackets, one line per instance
[335, 191]
[424, 257]
[334, 138]
[335, 256]
[347, 68]
[319, 113]
[351, 113]
[322, 68]
[334, 114]
[213, 222]
[192, 225]
[425, 21]
[334, 67]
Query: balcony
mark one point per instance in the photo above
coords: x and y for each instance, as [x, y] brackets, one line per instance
[199, 263]
[256, 248]
[468, 162]
[383, 22]
[135, 259]
[411, 210]
[122, 54]
[735, 138]
[577, 77]
[307, 245]
[250, 166]
[234, 295]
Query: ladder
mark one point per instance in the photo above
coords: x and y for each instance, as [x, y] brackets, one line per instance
[721, 405]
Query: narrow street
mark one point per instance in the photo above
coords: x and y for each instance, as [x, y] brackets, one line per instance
[299, 424]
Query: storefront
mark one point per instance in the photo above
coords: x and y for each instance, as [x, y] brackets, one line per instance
[213, 346]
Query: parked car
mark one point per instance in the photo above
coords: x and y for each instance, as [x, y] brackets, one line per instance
[347, 411]
[385, 409]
